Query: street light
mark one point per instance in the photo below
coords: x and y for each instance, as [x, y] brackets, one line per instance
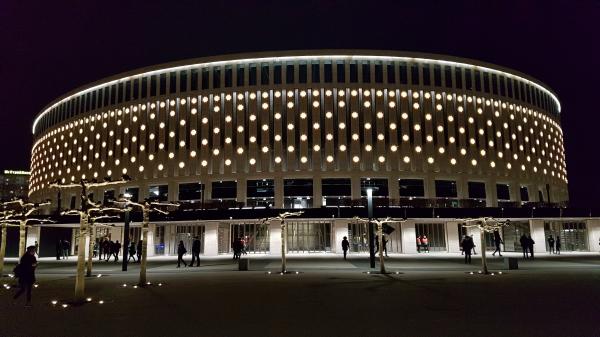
[370, 236]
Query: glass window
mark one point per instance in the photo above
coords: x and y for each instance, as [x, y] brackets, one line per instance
[468, 80]
[194, 79]
[252, 74]
[224, 189]
[524, 193]
[509, 84]
[216, 77]
[458, 77]
[437, 75]
[228, 77]
[426, 75]
[411, 188]
[378, 72]
[119, 93]
[277, 74]
[289, 73]
[477, 80]
[380, 187]
[136, 88]
[297, 187]
[403, 73]
[240, 75]
[205, 78]
[366, 72]
[328, 70]
[183, 81]
[191, 191]
[502, 86]
[260, 193]
[391, 73]
[172, 82]
[476, 190]
[109, 196]
[336, 187]
[144, 87]
[113, 96]
[302, 72]
[448, 76]
[353, 72]
[159, 192]
[494, 84]
[163, 84]
[316, 72]
[414, 73]
[132, 193]
[486, 82]
[341, 72]
[153, 86]
[503, 191]
[445, 189]
[264, 74]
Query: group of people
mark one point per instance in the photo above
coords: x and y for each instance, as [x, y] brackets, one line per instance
[422, 243]
[63, 248]
[554, 245]
[467, 246]
[107, 248]
[239, 247]
[181, 251]
[527, 246]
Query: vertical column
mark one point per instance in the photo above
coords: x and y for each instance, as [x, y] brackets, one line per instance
[340, 229]
[394, 189]
[536, 226]
[169, 238]
[462, 188]
[593, 228]
[491, 199]
[241, 190]
[278, 181]
[151, 234]
[475, 233]
[317, 193]
[143, 191]
[515, 194]
[355, 182]
[33, 235]
[211, 239]
[173, 191]
[275, 238]
[453, 237]
[429, 186]
[409, 237]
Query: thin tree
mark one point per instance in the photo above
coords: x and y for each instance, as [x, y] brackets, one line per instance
[92, 235]
[3, 217]
[146, 207]
[379, 237]
[484, 224]
[21, 216]
[87, 208]
[281, 217]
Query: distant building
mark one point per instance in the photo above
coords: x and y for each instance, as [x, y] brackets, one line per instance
[14, 184]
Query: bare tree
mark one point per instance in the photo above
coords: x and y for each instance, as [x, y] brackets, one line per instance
[146, 207]
[92, 235]
[281, 217]
[379, 237]
[22, 216]
[484, 224]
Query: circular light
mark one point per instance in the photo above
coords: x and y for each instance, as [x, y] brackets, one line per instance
[355, 159]
[406, 159]
[329, 159]
[381, 159]
[303, 159]
[278, 160]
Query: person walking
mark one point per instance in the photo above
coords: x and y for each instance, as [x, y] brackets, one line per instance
[180, 252]
[419, 243]
[384, 241]
[345, 246]
[237, 249]
[195, 252]
[25, 271]
[524, 246]
[139, 250]
[551, 244]
[131, 251]
[530, 244]
[497, 242]
[558, 245]
[116, 250]
[425, 243]
[66, 247]
[467, 244]
[58, 249]
[460, 245]
[37, 248]
[95, 248]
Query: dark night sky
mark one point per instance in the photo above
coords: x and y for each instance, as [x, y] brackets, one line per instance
[49, 49]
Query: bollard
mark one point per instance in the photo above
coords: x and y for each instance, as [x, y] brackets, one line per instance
[243, 264]
[511, 263]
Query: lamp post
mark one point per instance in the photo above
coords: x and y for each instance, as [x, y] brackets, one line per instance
[370, 225]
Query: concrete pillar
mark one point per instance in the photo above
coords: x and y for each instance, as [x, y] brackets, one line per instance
[515, 193]
[278, 181]
[340, 229]
[453, 237]
[491, 199]
[355, 182]
[462, 188]
[409, 237]
[169, 238]
[150, 243]
[393, 189]
[317, 193]
[475, 233]
[536, 226]
[33, 235]
[593, 228]
[275, 238]
[173, 191]
[211, 239]
[429, 186]
[241, 190]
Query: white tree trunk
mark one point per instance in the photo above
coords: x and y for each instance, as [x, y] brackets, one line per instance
[91, 249]
[146, 220]
[22, 237]
[483, 249]
[80, 277]
[2, 249]
[283, 246]
[380, 238]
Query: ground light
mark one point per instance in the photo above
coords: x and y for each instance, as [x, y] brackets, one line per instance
[287, 272]
[66, 304]
[490, 273]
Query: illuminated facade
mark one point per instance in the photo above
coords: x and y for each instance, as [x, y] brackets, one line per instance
[308, 130]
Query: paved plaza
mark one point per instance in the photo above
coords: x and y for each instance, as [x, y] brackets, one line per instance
[431, 295]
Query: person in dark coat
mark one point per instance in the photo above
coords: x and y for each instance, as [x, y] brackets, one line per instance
[180, 252]
[524, 246]
[116, 250]
[345, 246]
[131, 251]
[467, 244]
[385, 241]
[558, 245]
[66, 246]
[237, 248]
[58, 249]
[551, 244]
[26, 274]
[530, 244]
[139, 250]
[195, 252]
[497, 242]
[106, 248]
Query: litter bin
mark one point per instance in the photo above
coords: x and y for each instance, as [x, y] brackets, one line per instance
[511, 263]
[243, 264]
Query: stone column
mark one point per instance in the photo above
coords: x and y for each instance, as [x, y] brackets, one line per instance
[536, 226]
[211, 239]
[317, 193]
[278, 181]
[275, 238]
[33, 235]
[593, 228]
[453, 243]
[150, 244]
[340, 229]
[409, 237]
[241, 190]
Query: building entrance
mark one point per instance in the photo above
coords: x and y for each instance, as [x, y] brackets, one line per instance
[254, 235]
[436, 235]
[187, 233]
[573, 235]
[308, 236]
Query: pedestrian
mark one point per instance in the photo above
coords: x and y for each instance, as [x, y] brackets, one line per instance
[37, 248]
[376, 244]
[418, 243]
[460, 245]
[384, 241]
[106, 246]
[524, 246]
[131, 251]
[425, 243]
[66, 246]
[236, 248]
[116, 250]
[95, 248]
[58, 249]
[110, 247]
[551, 244]
[530, 244]
[467, 244]
[139, 250]
[345, 245]
[25, 272]
[195, 252]
[558, 245]
[243, 243]
[180, 252]
[497, 242]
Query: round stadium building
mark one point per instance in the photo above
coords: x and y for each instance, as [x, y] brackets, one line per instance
[309, 130]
